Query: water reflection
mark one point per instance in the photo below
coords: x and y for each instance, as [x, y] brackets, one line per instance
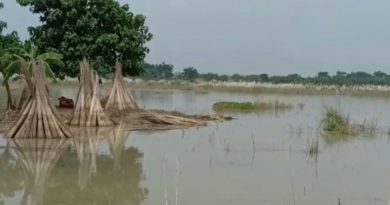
[11, 180]
[76, 171]
[116, 141]
[334, 138]
[37, 159]
[87, 145]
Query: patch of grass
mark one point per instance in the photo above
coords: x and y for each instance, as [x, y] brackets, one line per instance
[336, 122]
[251, 106]
[339, 128]
[234, 106]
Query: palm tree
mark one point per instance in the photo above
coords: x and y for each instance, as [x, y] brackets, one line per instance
[21, 61]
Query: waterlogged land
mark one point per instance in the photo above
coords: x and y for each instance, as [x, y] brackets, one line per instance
[259, 158]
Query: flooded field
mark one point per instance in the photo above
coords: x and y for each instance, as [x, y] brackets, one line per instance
[258, 158]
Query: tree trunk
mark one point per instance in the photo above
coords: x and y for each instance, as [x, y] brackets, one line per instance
[10, 103]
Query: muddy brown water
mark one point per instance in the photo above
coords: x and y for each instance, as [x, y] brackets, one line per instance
[259, 158]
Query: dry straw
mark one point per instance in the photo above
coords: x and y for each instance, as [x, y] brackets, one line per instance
[39, 118]
[120, 96]
[89, 111]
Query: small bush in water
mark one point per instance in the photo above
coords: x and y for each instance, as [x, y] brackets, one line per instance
[249, 106]
[334, 121]
[234, 106]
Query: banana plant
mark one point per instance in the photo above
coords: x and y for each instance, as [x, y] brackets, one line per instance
[3, 63]
[21, 61]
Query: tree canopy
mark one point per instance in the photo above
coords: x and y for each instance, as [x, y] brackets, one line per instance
[190, 73]
[102, 30]
[157, 71]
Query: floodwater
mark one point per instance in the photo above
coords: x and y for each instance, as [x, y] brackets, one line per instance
[259, 158]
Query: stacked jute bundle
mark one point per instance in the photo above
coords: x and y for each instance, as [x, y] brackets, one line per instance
[39, 118]
[120, 96]
[89, 111]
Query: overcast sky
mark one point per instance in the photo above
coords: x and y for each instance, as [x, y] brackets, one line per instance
[258, 36]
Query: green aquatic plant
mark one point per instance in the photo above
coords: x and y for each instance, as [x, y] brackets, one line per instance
[334, 121]
[234, 106]
[251, 106]
[338, 127]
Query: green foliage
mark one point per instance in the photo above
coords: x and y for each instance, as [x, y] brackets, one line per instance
[21, 60]
[6, 41]
[190, 74]
[334, 121]
[380, 74]
[338, 127]
[158, 71]
[234, 106]
[323, 78]
[249, 106]
[102, 30]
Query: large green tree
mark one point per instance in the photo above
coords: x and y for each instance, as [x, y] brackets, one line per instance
[190, 74]
[157, 71]
[102, 30]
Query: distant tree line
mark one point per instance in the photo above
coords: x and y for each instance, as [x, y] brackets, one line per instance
[165, 71]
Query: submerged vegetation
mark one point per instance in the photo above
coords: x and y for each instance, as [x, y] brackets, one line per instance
[234, 106]
[339, 127]
[251, 106]
[334, 121]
